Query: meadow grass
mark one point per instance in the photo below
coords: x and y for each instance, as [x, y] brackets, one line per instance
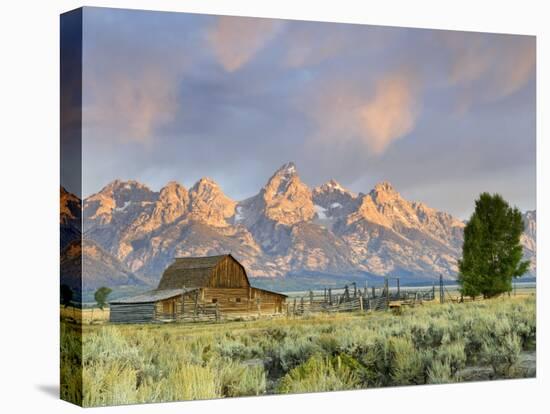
[124, 364]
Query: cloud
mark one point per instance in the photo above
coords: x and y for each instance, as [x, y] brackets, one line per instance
[372, 118]
[488, 67]
[235, 40]
[133, 66]
[390, 114]
[519, 66]
[131, 108]
[355, 103]
[310, 43]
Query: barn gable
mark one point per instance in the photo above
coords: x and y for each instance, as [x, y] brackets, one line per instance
[228, 273]
[200, 272]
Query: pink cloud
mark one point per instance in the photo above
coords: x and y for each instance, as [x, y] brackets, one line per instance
[390, 114]
[130, 107]
[235, 40]
[374, 118]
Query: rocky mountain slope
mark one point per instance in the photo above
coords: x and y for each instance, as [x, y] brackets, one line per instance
[287, 229]
[85, 265]
[97, 267]
[70, 217]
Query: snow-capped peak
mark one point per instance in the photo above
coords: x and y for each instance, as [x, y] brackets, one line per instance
[288, 169]
[335, 185]
[331, 186]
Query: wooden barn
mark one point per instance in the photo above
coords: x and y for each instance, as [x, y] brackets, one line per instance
[199, 288]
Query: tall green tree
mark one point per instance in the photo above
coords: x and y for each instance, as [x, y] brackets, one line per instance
[492, 253]
[101, 295]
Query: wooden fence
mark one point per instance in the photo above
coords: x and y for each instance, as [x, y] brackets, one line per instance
[349, 298]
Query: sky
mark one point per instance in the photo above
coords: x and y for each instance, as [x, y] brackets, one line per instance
[442, 115]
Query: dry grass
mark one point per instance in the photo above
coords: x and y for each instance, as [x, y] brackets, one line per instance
[124, 364]
[84, 316]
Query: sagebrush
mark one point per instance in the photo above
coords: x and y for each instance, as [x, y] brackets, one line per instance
[123, 364]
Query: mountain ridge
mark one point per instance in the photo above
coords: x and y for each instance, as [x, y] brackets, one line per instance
[285, 229]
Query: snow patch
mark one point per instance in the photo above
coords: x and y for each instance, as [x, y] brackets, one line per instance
[335, 185]
[335, 205]
[291, 169]
[321, 212]
[239, 214]
[126, 204]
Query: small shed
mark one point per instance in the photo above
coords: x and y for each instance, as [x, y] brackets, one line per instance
[197, 288]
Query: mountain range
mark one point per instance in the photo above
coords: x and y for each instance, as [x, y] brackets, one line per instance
[287, 229]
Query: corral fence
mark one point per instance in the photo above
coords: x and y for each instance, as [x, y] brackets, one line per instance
[352, 298]
[347, 298]
[451, 293]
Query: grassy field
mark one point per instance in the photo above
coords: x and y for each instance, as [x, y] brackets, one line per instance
[429, 344]
[85, 316]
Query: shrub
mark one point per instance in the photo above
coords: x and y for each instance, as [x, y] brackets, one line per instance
[405, 362]
[502, 353]
[238, 380]
[453, 355]
[71, 364]
[319, 374]
[329, 343]
[109, 384]
[429, 344]
[191, 382]
[440, 373]
[294, 351]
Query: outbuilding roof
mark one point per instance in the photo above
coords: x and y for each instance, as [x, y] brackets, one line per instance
[153, 296]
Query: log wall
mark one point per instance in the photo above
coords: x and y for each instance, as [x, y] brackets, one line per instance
[132, 312]
[226, 302]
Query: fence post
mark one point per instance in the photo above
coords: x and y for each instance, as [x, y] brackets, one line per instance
[354, 289]
[311, 298]
[361, 303]
[441, 294]
[217, 313]
[294, 307]
[330, 296]
[433, 290]
[373, 292]
[196, 302]
[302, 305]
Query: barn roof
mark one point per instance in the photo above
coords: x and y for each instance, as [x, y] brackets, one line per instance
[152, 296]
[189, 272]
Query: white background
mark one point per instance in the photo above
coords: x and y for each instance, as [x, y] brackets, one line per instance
[29, 191]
